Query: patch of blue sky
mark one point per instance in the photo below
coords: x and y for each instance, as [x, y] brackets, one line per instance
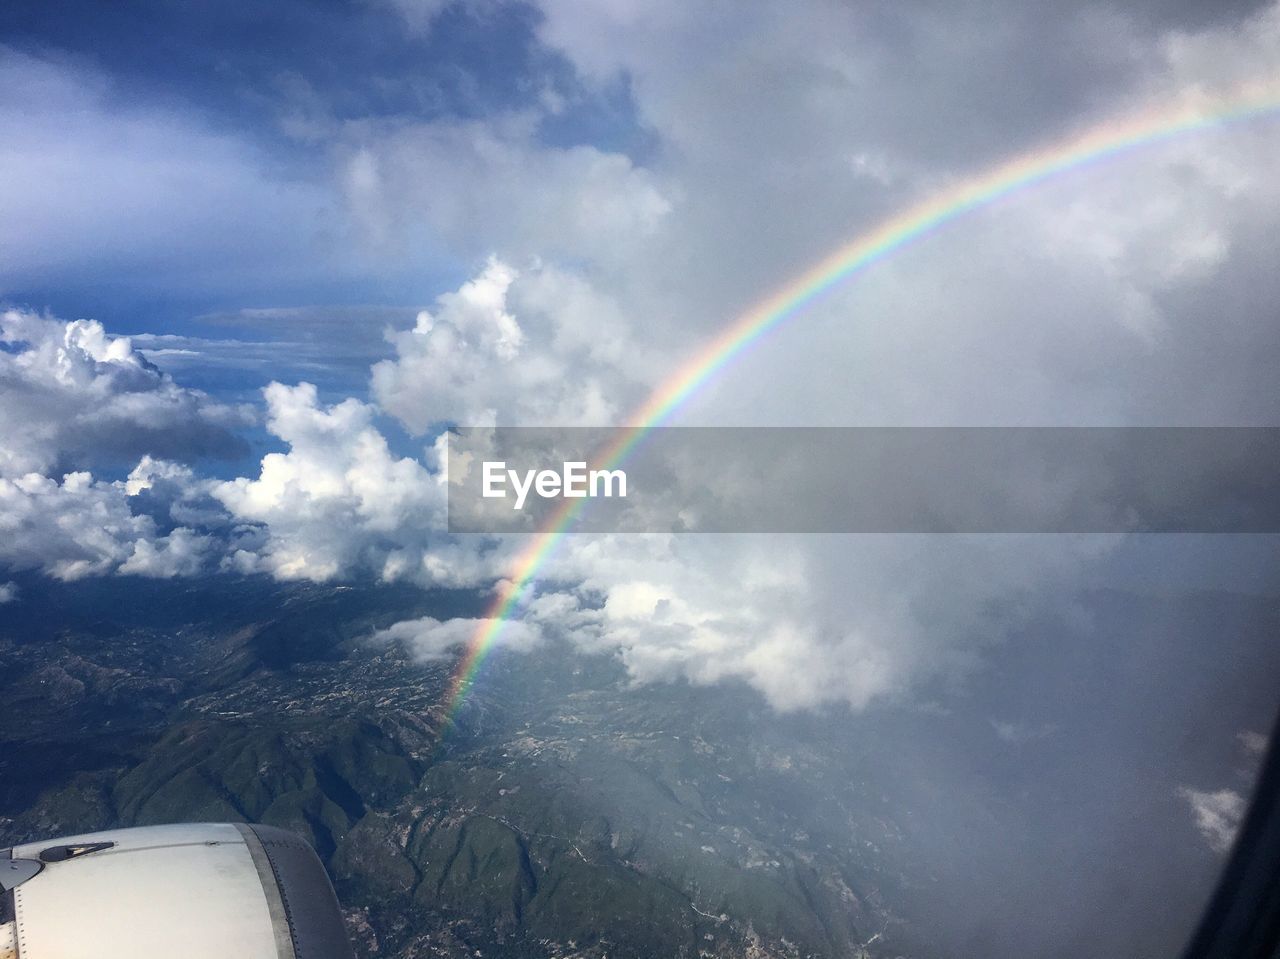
[258, 94]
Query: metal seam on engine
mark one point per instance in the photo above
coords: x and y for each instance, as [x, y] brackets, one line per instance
[277, 907]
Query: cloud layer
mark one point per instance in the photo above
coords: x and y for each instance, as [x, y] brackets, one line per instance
[1134, 292]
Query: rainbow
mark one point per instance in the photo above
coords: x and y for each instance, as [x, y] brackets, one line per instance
[1096, 144]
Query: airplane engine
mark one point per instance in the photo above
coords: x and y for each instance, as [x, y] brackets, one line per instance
[198, 891]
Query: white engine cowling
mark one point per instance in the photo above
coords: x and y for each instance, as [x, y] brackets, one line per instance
[198, 891]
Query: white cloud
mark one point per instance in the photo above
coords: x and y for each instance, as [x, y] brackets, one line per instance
[182, 552]
[1064, 304]
[81, 527]
[811, 620]
[431, 639]
[73, 393]
[338, 501]
[532, 347]
[175, 491]
[1217, 814]
[481, 187]
[8, 592]
[806, 621]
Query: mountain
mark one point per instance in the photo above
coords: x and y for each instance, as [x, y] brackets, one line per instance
[564, 810]
[563, 813]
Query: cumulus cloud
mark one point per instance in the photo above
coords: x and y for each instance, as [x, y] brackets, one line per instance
[182, 552]
[433, 639]
[538, 346]
[338, 501]
[173, 493]
[1217, 814]
[814, 620]
[84, 527]
[8, 592]
[72, 395]
[774, 613]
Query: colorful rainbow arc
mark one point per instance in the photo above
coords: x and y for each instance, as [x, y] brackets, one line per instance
[1099, 143]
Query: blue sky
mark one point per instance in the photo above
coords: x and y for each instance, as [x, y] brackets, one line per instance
[259, 94]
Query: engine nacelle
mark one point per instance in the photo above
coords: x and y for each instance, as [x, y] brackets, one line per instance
[198, 891]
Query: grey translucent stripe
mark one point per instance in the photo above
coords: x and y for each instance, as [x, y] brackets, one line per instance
[882, 480]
